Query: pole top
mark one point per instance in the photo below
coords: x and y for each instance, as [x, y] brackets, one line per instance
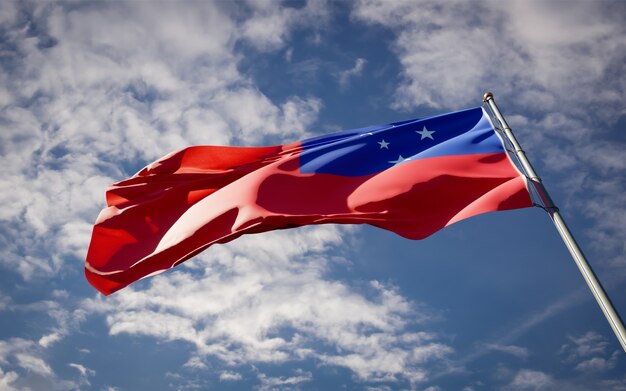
[488, 95]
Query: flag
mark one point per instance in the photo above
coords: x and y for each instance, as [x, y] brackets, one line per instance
[412, 177]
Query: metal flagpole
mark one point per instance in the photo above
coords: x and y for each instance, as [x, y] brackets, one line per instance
[596, 288]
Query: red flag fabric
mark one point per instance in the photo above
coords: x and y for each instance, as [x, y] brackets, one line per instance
[413, 178]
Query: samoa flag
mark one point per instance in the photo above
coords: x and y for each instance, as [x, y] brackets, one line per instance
[412, 177]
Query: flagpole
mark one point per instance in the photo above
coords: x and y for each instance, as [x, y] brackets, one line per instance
[585, 269]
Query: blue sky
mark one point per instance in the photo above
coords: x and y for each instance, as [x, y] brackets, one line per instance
[92, 92]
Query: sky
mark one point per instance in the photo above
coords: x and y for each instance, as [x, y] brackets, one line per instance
[91, 92]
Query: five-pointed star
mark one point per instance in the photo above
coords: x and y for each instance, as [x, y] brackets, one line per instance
[384, 144]
[400, 160]
[425, 133]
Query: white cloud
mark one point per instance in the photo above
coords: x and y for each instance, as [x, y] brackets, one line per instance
[60, 294]
[32, 363]
[166, 326]
[230, 376]
[268, 29]
[588, 353]
[549, 311]
[272, 383]
[616, 384]
[251, 114]
[597, 364]
[527, 379]
[513, 350]
[85, 373]
[48, 340]
[10, 347]
[7, 380]
[288, 54]
[588, 344]
[345, 76]
[269, 26]
[442, 52]
[25, 367]
[196, 363]
[65, 319]
[451, 54]
[265, 298]
[535, 22]
[5, 301]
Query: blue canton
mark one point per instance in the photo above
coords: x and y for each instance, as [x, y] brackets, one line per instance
[373, 149]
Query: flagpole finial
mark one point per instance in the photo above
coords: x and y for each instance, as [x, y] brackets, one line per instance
[488, 95]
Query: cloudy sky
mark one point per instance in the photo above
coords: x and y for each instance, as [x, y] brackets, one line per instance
[91, 92]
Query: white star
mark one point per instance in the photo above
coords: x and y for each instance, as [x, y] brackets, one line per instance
[384, 144]
[400, 160]
[425, 133]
